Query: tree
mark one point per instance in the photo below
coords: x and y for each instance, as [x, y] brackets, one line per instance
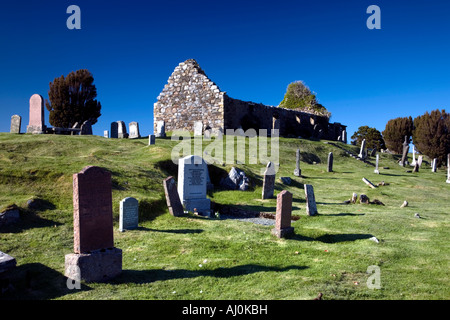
[373, 137]
[431, 134]
[72, 99]
[395, 132]
[299, 97]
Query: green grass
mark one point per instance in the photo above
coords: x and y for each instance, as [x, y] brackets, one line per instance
[198, 258]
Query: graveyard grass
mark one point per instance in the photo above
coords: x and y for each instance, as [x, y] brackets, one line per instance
[189, 258]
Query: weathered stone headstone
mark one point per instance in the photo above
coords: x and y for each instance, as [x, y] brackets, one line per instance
[413, 163]
[86, 128]
[419, 160]
[311, 207]
[36, 123]
[134, 130]
[416, 167]
[114, 130]
[448, 168]
[354, 197]
[434, 165]
[16, 123]
[269, 181]
[370, 184]
[330, 162]
[344, 136]
[7, 263]
[192, 181]
[129, 214]
[160, 129]
[283, 215]
[405, 152]
[198, 128]
[297, 171]
[106, 134]
[151, 139]
[362, 152]
[376, 164]
[172, 198]
[121, 130]
[95, 258]
[9, 215]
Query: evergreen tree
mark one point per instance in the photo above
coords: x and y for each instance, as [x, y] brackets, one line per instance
[431, 135]
[395, 132]
[72, 99]
[373, 137]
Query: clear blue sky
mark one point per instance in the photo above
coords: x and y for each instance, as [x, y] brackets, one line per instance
[251, 49]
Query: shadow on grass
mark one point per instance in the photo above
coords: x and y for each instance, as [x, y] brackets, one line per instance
[333, 238]
[148, 276]
[182, 231]
[35, 281]
[28, 220]
[343, 214]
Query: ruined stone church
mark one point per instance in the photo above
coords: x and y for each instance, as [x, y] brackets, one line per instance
[190, 96]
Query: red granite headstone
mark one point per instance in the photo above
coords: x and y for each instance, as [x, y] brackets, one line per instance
[36, 122]
[92, 210]
[283, 215]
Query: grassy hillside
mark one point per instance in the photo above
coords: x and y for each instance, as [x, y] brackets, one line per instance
[198, 258]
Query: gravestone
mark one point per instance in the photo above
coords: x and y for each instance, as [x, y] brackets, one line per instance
[419, 160]
[7, 263]
[448, 168]
[114, 130]
[283, 215]
[297, 171]
[36, 123]
[198, 128]
[269, 181]
[192, 183]
[121, 130]
[16, 123]
[376, 164]
[370, 184]
[86, 128]
[354, 197]
[106, 134]
[129, 214]
[330, 162]
[416, 167]
[95, 259]
[405, 152]
[311, 207]
[160, 129]
[413, 163]
[344, 136]
[362, 152]
[151, 139]
[172, 197]
[434, 165]
[9, 215]
[134, 130]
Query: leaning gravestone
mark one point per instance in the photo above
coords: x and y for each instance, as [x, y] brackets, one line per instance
[362, 152]
[330, 162]
[192, 181]
[311, 207]
[134, 130]
[434, 165]
[36, 123]
[16, 123]
[405, 152]
[297, 171]
[94, 258]
[172, 197]
[283, 215]
[129, 214]
[114, 130]
[86, 128]
[160, 129]
[269, 181]
[121, 130]
[151, 140]
[198, 128]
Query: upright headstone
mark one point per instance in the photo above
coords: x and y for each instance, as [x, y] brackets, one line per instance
[405, 152]
[413, 163]
[121, 130]
[192, 180]
[311, 207]
[160, 129]
[269, 181]
[86, 128]
[283, 215]
[114, 130]
[16, 123]
[344, 136]
[134, 130]
[106, 134]
[330, 162]
[36, 123]
[7, 263]
[419, 160]
[416, 167]
[95, 258]
[362, 152]
[297, 171]
[434, 165]
[151, 139]
[448, 168]
[376, 164]
[172, 197]
[129, 214]
[198, 128]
